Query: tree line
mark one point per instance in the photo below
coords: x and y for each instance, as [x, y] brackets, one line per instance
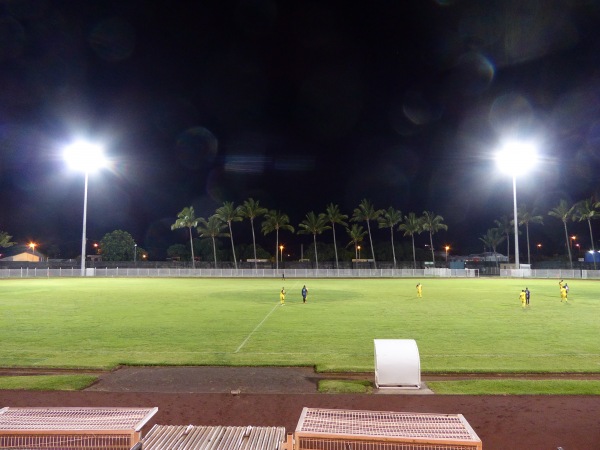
[120, 246]
[220, 223]
[581, 211]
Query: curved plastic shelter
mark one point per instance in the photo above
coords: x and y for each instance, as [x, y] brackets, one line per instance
[397, 364]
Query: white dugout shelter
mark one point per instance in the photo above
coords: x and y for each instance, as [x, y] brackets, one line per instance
[397, 364]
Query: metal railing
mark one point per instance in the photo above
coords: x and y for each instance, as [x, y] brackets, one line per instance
[169, 272]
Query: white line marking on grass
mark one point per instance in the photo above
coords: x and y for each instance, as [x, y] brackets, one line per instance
[256, 328]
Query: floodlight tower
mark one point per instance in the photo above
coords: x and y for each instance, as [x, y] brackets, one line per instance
[516, 158]
[85, 157]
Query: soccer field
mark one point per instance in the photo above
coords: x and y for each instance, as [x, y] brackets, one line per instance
[460, 325]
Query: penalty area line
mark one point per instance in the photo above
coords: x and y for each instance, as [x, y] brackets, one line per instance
[255, 329]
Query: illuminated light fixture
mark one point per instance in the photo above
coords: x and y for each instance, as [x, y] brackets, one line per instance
[516, 158]
[84, 157]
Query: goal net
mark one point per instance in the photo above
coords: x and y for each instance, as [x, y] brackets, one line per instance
[472, 273]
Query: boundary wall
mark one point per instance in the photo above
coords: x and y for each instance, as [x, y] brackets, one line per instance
[47, 272]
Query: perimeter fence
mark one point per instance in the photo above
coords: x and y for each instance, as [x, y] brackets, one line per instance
[133, 272]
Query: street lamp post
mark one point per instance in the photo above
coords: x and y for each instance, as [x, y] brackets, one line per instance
[447, 247]
[515, 158]
[135, 253]
[359, 252]
[281, 254]
[84, 157]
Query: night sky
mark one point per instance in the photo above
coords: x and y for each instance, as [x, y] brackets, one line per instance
[296, 104]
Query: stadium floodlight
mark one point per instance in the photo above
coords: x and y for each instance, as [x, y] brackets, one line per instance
[516, 158]
[84, 157]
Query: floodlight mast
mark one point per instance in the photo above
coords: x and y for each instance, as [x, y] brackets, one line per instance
[84, 157]
[515, 158]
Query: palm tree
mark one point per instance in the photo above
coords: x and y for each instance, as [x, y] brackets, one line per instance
[586, 210]
[228, 214]
[5, 240]
[186, 219]
[526, 217]
[275, 221]
[314, 225]
[251, 209]
[367, 212]
[333, 215]
[412, 224]
[357, 234]
[492, 239]
[563, 212]
[433, 224]
[389, 219]
[212, 228]
[506, 227]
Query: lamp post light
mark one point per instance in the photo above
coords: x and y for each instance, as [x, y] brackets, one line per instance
[447, 247]
[281, 253]
[32, 247]
[134, 253]
[85, 157]
[358, 252]
[515, 158]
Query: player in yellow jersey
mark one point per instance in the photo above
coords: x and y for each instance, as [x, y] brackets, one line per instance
[419, 290]
[523, 298]
[563, 295]
[282, 296]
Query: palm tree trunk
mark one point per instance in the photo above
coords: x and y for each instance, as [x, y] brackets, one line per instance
[412, 236]
[431, 244]
[316, 256]
[232, 247]
[592, 240]
[192, 248]
[372, 249]
[568, 247]
[253, 242]
[528, 247]
[393, 249]
[335, 246]
[277, 250]
[214, 250]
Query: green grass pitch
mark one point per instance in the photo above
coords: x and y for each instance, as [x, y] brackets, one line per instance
[460, 325]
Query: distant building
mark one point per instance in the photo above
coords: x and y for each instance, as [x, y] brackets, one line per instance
[487, 257]
[20, 253]
[591, 257]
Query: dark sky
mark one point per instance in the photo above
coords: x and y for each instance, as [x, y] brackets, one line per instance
[296, 104]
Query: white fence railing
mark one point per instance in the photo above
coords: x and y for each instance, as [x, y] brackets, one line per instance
[293, 273]
[240, 273]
